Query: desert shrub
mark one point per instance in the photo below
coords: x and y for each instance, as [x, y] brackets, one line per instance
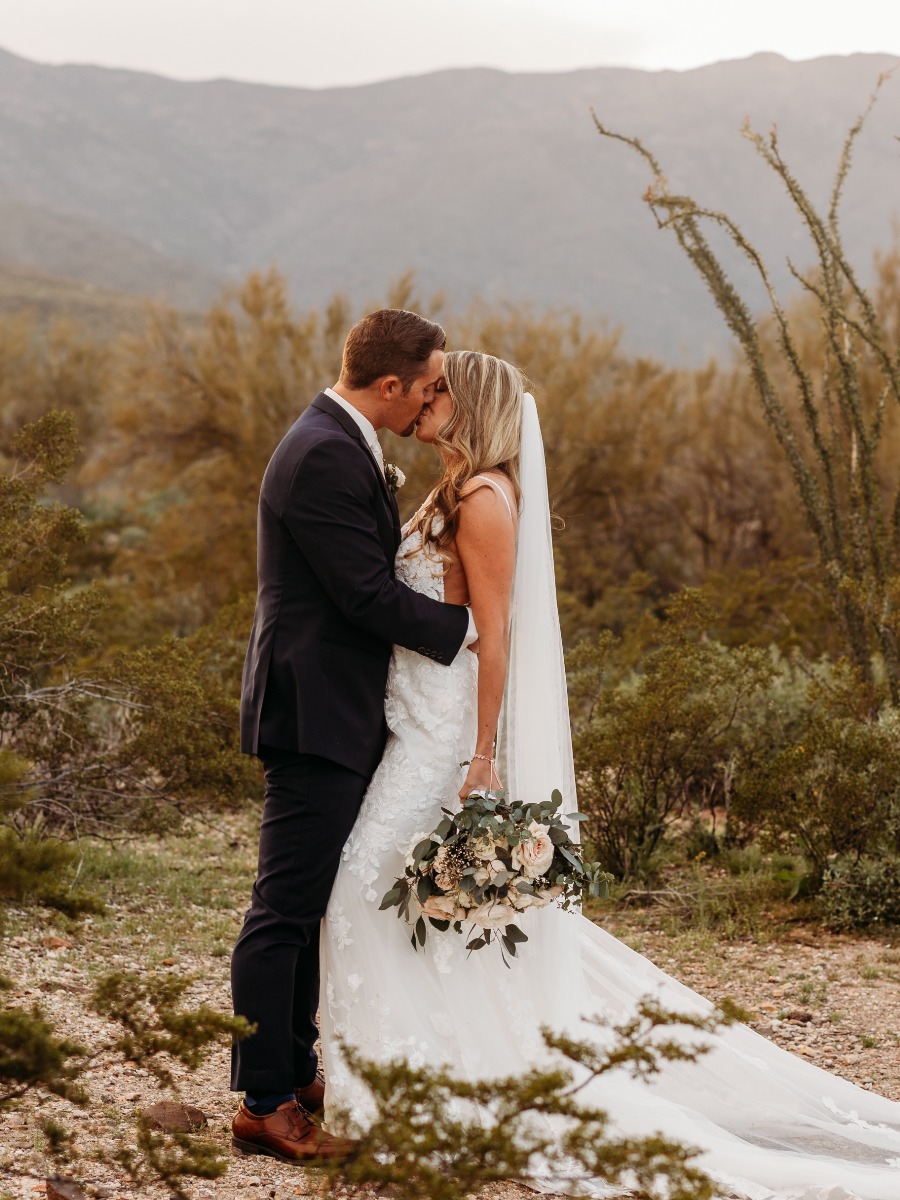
[832, 787]
[150, 1029]
[111, 743]
[860, 893]
[657, 743]
[438, 1137]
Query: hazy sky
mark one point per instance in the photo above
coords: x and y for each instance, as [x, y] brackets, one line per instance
[321, 43]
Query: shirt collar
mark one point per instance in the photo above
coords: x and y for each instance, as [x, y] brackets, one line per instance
[366, 427]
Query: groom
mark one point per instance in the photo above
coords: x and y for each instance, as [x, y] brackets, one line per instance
[328, 610]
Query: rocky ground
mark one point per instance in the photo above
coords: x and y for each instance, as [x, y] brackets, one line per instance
[176, 905]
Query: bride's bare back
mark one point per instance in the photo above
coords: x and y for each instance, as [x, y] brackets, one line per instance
[456, 585]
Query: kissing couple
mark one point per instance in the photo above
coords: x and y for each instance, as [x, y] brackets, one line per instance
[382, 666]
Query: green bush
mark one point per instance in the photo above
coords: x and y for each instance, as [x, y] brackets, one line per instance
[860, 893]
[655, 744]
[113, 743]
[833, 786]
[435, 1136]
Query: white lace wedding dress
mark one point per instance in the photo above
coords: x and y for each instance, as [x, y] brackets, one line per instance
[770, 1126]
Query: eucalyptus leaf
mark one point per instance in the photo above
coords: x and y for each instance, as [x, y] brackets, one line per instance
[391, 898]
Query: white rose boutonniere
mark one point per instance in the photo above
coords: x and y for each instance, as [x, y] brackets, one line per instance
[394, 477]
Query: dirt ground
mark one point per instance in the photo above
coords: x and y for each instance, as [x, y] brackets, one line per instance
[176, 906]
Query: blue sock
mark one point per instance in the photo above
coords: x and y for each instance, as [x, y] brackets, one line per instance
[267, 1102]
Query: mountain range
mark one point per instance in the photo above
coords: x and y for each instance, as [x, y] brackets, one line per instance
[486, 184]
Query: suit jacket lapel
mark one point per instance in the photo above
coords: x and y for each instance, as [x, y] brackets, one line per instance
[343, 418]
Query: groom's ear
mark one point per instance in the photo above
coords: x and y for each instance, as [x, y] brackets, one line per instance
[391, 387]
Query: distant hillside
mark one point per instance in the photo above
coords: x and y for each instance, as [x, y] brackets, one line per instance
[487, 184]
[102, 312]
[76, 248]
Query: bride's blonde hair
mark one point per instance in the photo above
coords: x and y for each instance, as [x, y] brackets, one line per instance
[483, 433]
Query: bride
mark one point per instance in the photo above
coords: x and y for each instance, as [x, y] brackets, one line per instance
[770, 1126]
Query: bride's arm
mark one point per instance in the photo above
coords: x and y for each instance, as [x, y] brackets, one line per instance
[486, 545]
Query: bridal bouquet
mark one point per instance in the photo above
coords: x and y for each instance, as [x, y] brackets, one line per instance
[486, 864]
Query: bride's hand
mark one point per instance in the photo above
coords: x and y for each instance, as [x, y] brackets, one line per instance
[479, 778]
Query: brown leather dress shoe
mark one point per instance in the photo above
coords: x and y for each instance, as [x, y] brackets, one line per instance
[286, 1134]
[312, 1097]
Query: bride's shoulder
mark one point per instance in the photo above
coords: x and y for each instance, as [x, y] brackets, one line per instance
[487, 511]
[488, 490]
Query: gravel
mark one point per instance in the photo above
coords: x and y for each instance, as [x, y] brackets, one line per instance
[832, 999]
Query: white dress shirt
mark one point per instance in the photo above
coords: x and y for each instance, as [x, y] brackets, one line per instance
[371, 439]
[365, 425]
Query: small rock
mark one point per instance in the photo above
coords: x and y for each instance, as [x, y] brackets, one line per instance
[170, 1116]
[55, 943]
[64, 1189]
[801, 1015]
[169, 962]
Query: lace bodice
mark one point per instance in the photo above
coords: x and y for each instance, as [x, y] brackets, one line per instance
[431, 712]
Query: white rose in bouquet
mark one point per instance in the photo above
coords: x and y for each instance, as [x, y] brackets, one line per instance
[493, 914]
[442, 908]
[485, 849]
[534, 857]
[522, 900]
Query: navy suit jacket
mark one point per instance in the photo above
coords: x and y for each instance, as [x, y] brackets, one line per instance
[328, 606]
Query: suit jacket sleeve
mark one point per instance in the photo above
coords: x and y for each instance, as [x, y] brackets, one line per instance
[328, 511]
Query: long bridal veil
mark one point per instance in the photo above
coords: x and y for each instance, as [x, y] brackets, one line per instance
[769, 1125]
[536, 741]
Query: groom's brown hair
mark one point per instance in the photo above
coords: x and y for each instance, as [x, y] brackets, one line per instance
[391, 341]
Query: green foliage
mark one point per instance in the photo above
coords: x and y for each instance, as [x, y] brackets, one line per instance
[833, 786]
[861, 893]
[436, 1136]
[60, 1141]
[145, 1008]
[113, 745]
[152, 1029]
[656, 743]
[32, 1056]
[170, 1159]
